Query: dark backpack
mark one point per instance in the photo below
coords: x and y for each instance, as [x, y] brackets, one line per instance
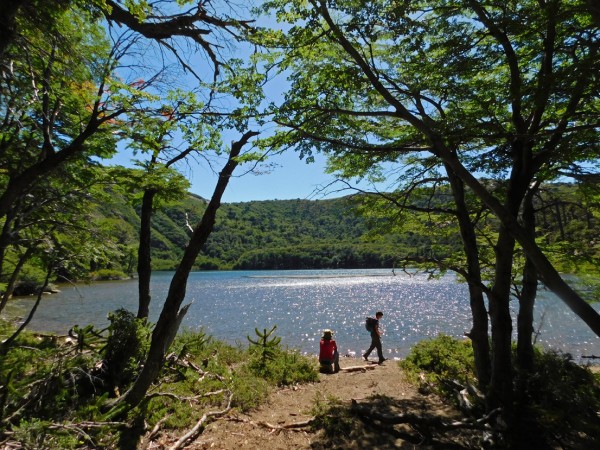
[370, 324]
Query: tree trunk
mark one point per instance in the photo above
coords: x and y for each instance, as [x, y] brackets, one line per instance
[479, 331]
[501, 389]
[144, 268]
[171, 315]
[7, 234]
[527, 297]
[546, 271]
[10, 286]
[8, 14]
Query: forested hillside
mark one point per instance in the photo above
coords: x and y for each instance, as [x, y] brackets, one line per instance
[314, 234]
[274, 234]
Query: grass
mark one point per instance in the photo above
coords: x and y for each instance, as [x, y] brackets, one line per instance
[52, 393]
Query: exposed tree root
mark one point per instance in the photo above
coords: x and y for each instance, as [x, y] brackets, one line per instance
[149, 437]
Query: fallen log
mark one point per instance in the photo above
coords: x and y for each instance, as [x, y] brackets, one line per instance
[357, 368]
[294, 426]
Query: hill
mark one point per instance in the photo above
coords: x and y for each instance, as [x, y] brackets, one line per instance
[319, 234]
[273, 234]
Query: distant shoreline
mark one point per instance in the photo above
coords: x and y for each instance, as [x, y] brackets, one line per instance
[322, 276]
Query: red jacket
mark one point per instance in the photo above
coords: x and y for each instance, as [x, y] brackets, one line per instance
[328, 348]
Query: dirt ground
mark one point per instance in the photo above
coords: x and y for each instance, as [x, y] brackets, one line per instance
[381, 387]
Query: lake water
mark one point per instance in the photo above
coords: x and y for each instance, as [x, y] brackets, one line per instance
[230, 305]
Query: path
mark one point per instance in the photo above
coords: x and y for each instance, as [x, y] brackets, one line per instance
[293, 405]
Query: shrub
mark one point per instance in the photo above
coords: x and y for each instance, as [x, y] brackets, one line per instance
[43, 381]
[281, 367]
[441, 358]
[286, 367]
[108, 274]
[126, 347]
[560, 397]
[556, 403]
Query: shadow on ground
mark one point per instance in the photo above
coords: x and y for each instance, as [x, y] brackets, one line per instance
[342, 428]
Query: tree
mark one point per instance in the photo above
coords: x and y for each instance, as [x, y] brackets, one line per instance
[66, 99]
[484, 86]
[55, 97]
[56, 54]
[55, 233]
[172, 314]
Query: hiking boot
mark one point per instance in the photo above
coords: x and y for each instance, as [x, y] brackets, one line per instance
[382, 360]
[365, 357]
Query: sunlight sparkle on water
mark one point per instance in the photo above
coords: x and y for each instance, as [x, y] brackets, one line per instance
[230, 305]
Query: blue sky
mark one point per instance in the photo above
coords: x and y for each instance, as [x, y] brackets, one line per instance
[288, 178]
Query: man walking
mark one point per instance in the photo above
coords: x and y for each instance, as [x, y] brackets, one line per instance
[376, 339]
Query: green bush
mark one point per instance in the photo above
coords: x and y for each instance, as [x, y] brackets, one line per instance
[441, 358]
[281, 367]
[47, 381]
[285, 368]
[560, 396]
[108, 274]
[556, 403]
[126, 347]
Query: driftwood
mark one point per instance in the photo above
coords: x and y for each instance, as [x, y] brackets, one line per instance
[149, 437]
[199, 427]
[294, 426]
[464, 393]
[358, 368]
[426, 421]
[174, 359]
[186, 399]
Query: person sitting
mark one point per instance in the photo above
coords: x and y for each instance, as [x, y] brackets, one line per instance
[329, 358]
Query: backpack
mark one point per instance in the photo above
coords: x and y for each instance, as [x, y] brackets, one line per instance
[370, 324]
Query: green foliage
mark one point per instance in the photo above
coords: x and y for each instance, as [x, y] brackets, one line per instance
[555, 402]
[108, 274]
[281, 367]
[41, 380]
[288, 367]
[264, 346]
[441, 358]
[188, 342]
[34, 434]
[560, 397]
[302, 234]
[357, 232]
[87, 338]
[44, 381]
[126, 347]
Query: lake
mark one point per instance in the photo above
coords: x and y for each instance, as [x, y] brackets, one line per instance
[230, 305]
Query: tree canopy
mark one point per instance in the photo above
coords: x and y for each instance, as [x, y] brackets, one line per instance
[482, 90]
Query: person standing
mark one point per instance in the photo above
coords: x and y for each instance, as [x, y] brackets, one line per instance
[376, 333]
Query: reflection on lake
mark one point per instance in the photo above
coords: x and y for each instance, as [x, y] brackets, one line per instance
[229, 305]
